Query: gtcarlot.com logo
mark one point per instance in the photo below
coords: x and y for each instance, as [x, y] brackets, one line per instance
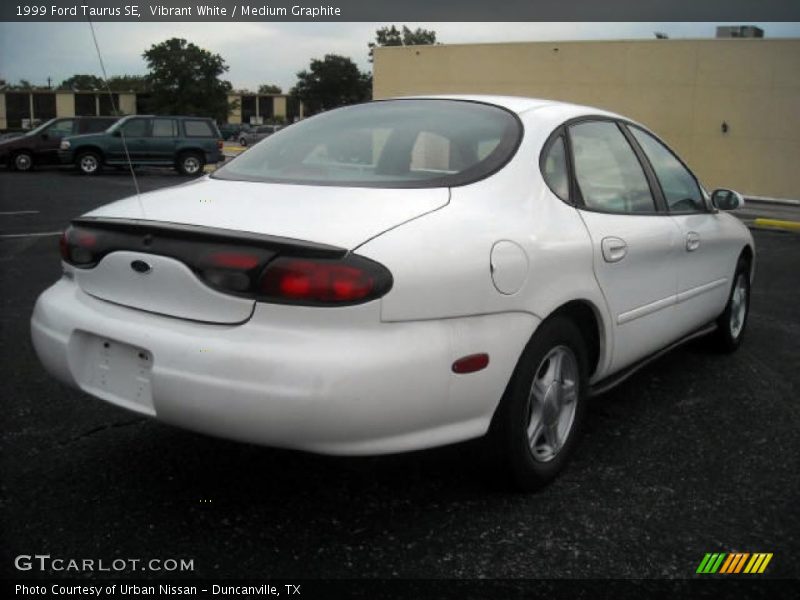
[45, 562]
[734, 563]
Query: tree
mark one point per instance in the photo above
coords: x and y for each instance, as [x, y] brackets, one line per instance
[391, 36]
[185, 79]
[21, 85]
[83, 82]
[269, 88]
[129, 83]
[331, 82]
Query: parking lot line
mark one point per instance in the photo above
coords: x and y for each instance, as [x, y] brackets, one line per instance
[22, 235]
[20, 212]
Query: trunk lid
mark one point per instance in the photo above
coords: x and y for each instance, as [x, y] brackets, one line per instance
[337, 216]
[174, 231]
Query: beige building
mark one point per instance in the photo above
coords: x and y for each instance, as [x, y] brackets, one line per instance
[24, 109]
[729, 107]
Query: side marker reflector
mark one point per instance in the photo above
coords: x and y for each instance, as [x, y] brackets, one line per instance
[471, 363]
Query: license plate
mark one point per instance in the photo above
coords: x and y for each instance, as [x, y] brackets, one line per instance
[116, 372]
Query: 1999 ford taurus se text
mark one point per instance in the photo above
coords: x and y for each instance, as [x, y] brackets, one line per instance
[398, 275]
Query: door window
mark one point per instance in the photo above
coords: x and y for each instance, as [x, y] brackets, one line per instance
[609, 175]
[679, 186]
[135, 128]
[60, 128]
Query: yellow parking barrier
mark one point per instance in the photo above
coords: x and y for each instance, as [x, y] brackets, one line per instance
[778, 224]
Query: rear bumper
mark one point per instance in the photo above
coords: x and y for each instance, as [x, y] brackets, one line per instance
[293, 377]
[66, 157]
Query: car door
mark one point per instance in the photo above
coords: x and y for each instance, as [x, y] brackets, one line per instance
[635, 243]
[707, 255]
[46, 149]
[164, 139]
[136, 134]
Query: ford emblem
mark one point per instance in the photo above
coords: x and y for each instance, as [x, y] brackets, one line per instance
[141, 267]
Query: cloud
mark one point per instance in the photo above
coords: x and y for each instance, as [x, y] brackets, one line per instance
[268, 52]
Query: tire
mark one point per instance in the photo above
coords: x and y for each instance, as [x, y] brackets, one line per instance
[732, 322]
[553, 410]
[22, 161]
[243, 141]
[89, 163]
[191, 164]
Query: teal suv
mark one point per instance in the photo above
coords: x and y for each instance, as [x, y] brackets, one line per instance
[185, 143]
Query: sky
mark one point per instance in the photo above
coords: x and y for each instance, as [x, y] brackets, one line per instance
[274, 52]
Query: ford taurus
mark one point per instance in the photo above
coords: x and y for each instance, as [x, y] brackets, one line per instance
[399, 275]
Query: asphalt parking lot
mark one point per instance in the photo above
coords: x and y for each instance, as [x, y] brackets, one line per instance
[696, 453]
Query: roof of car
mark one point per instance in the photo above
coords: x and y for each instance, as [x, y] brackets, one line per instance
[517, 104]
[170, 117]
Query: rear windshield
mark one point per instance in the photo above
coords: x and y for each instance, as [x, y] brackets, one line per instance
[394, 143]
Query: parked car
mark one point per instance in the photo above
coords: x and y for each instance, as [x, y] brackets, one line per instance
[257, 134]
[39, 146]
[232, 131]
[402, 274]
[186, 143]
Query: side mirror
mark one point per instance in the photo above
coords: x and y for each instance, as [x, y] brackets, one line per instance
[44, 136]
[116, 133]
[723, 199]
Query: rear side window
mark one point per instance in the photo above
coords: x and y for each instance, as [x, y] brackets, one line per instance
[609, 175]
[554, 168]
[197, 128]
[679, 186]
[391, 144]
[165, 128]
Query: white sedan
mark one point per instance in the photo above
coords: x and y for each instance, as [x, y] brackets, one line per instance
[399, 275]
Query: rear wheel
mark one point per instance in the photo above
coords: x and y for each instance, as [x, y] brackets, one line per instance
[731, 323]
[190, 164]
[22, 161]
[537, 424]
[89, 163]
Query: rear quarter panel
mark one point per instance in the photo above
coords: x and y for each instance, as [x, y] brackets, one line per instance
[441, 261]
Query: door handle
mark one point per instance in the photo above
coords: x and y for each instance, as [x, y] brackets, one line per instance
[692, 241]
[614, 249]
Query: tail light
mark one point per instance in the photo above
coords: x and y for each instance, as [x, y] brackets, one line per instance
[77, 246]
[311, 275]
[351, 280]
[220, 144]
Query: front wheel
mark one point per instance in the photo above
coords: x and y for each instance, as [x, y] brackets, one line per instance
[89, 163]
[190, 164]
[731, 323]
[23, 161]
[537, 424]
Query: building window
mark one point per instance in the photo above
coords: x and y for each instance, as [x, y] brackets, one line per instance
[109, 105]
[44, 106]
[85, 105]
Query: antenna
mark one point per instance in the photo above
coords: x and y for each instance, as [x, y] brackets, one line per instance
[115, 108]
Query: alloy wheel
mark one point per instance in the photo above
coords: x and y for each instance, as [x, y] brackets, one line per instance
[191, 165]
[738, 306]
[89, 164]
[552, 402]
[22, 162]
